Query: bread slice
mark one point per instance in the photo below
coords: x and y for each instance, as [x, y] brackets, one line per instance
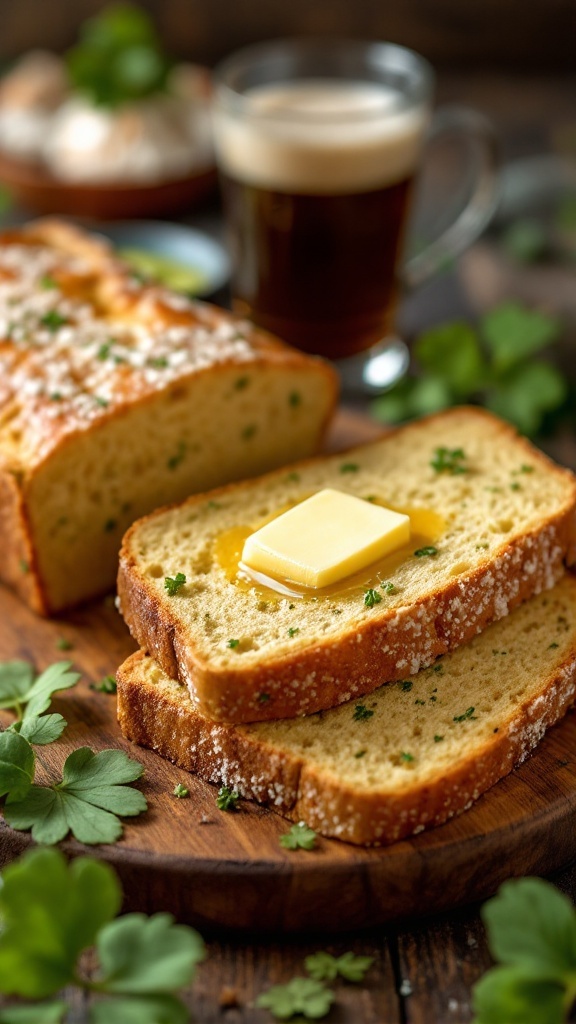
[501, 529]
[117, 397]
[408, 757]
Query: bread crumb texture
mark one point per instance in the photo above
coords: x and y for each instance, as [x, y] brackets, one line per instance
[117, 397]
[411, 755]
[508, 529]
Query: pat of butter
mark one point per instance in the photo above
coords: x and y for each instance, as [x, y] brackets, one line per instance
[324, 539]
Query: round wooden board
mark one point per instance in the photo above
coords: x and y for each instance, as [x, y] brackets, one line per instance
[216, 869]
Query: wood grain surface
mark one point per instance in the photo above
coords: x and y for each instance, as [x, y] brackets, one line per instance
[228, 869]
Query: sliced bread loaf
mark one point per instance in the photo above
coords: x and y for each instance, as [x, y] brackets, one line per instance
[493, 525]
[117, 397]
[409, 756]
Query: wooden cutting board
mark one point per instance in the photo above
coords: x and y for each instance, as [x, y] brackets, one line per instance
[212, 868]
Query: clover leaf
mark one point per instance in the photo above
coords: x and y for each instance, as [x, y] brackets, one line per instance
[50, 911]
[325, 967]
[140, 954]
[300, 995]
[40, 729]
[299, 837]
[531, 930]
[87, 802]
[17, 764]
[28, 696]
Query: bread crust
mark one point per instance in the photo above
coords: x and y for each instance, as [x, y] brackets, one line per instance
[231, 756]
[27, 413]
[388, 645]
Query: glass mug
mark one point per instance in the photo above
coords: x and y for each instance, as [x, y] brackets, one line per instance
[318, 145]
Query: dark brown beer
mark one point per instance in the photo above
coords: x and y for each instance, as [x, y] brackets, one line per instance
[316, 178]
[318, 270]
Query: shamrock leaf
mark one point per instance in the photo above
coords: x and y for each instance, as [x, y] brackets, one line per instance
[512, 333]
[86, 802]
[50, 911]
[41, 729]
[17, 764]
[38, 1013]
[299, 836]
[144, 1010]
[18, 686]
[301, 995]
[325, 967]
[523, 397]
[513, 995]
[531, 924]
[140, 955]
[455, 348]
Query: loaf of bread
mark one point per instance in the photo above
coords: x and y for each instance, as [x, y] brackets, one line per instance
[117, 397]
[409, 756]
[492, 526]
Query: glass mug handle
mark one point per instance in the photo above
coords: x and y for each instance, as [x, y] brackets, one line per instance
[470, 221]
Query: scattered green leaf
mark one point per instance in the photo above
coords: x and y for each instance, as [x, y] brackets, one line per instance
[227, 799]
[106, 685]
[325, 967]
[372, 597]
[299, 837]
[361, 713]
[305, 996]
[17, 765]
[181, 791]
[172, 584]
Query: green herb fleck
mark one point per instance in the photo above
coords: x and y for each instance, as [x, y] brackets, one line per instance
[525, 468]
[178, 457]
[438, 739]
[48, 282]
[467, 716]
[102, 402]
[63, 644]
[552, 646]
[405, 685]
[449, 460]
[407, 757]
[227, 799]
[388, 588]
[263, 698]
[360, 753]
[233, 643]
[293, 630]
[180, 791]
[427, 552]
[53, 320]
[349, 467]
[104, 351]
[361, 713]
[299, 837]
[172, 584]
[106, 685]
[372, 597]
[158, 362]
[515, 486]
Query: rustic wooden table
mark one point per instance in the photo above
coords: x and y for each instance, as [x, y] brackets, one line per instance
[424, 970]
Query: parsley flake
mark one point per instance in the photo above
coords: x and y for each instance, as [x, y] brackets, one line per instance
[406, 685]
[438, 739]
[427, 552]
[227, 799]
[372, 597]
[361, 713]
[388, 588]
[53, 320]
[404, 756]
[180, 791]
[172, 584]
[293, 630]
[233, 643]
[106, 685]
[300, 837]
[467, 716]
[449, 460]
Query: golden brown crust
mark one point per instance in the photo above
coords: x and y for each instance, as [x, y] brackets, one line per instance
[385, 646]
[55, 383]
[230, 755]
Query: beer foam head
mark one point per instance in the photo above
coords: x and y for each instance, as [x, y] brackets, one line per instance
[320, 136]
